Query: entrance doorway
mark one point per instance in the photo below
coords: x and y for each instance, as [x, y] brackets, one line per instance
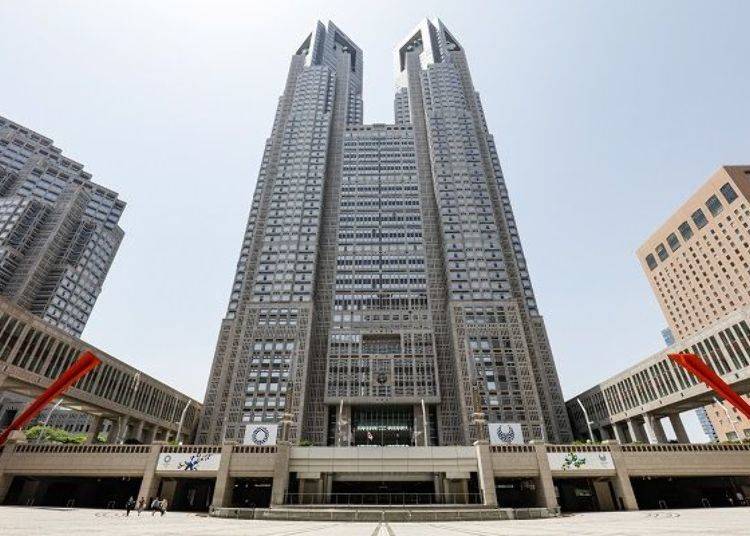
[385, 493]
[690, 492]
[252, 492]
[79, 492]
[187, 494]
[383, 425]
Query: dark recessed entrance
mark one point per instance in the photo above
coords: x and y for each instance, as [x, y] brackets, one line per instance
[383, 425]
[252, 492]
[187, 494]
[691, 492]
[386, 493]
[79, 492]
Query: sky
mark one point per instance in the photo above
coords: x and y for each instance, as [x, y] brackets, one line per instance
[607, 115]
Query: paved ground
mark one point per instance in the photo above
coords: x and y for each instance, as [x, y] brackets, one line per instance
[17, 521]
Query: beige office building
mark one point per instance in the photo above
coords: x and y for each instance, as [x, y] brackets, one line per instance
[697, 264]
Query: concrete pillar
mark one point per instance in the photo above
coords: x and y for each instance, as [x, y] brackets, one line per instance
[95, 424]
[679, 428]
[114, 430]
[617, 433]
[280, 473]
[150, 482]
[604, 433]
[223, 488]
[545, 486]
[622, 485]
[152, 435]
[137, 431]
[485, 473]
[637, 431]
[5, 456]
[657, 429]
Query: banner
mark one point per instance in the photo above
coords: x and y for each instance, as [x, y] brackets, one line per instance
[580, 461]
[188, 461]
[261, 435]
[505, 433]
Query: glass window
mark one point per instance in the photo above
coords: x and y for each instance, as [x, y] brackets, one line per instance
[728, 192]
[661, 251]
[714, 205]
[651, 261]
[673, 242]
[685, 230]
[699, 219]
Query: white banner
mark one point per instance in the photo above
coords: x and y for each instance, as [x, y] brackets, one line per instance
[505, 433]
[188, 461]
[580, 461]
[260, 435]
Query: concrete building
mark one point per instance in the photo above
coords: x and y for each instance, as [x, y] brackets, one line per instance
[382, 295]
[697, 264]
[115, 397]
[58, 229]
[356, 483]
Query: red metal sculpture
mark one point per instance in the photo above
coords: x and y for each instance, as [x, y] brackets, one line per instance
[82, 366]
[695, 365]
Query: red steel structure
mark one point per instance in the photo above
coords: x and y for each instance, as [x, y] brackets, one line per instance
[698, 368]
[86, 362]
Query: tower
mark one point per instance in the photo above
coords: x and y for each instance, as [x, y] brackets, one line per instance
[382, 294]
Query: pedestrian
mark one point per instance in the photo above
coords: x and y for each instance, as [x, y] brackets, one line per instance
[163, 506]
[154, 506]
[129, 505]
[141, 505]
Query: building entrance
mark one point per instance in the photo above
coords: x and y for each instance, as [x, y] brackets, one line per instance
[78, 492]
[187, 494]
[383, 425]
[385, 493]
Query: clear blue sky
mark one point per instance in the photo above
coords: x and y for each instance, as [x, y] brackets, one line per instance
[607, 115]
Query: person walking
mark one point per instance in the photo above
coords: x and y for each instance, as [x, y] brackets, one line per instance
[154, 506]
[129, 505]
[163, 506]
[141, 505]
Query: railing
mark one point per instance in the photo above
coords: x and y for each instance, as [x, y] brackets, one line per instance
[576, 448]
[686, 447]
[512, 448]
[208, 449]
[384, 499]
[253, 449]
[81, 449]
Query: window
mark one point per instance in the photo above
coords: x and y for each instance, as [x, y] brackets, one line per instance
[673, 242]
[685, 230]
[714, 205]
[651, 261]
[728, 192]
[661, 251]
[699, 219]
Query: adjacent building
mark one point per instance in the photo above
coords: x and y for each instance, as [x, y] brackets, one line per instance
[382, 295]
[697, 264]
[58, 229]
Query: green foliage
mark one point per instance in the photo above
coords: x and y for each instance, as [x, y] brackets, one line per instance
[53, 435]
[305, 443]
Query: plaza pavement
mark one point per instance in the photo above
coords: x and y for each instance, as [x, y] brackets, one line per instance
[25, 521]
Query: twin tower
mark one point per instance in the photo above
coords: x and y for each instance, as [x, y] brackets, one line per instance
[381, 295]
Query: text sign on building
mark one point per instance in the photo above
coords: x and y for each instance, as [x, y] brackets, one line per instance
[505, 433]
[580, 461]
[188, 461]
[260, 435]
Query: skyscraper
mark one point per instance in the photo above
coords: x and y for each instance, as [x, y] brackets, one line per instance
[58, 230]
[381, 294]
